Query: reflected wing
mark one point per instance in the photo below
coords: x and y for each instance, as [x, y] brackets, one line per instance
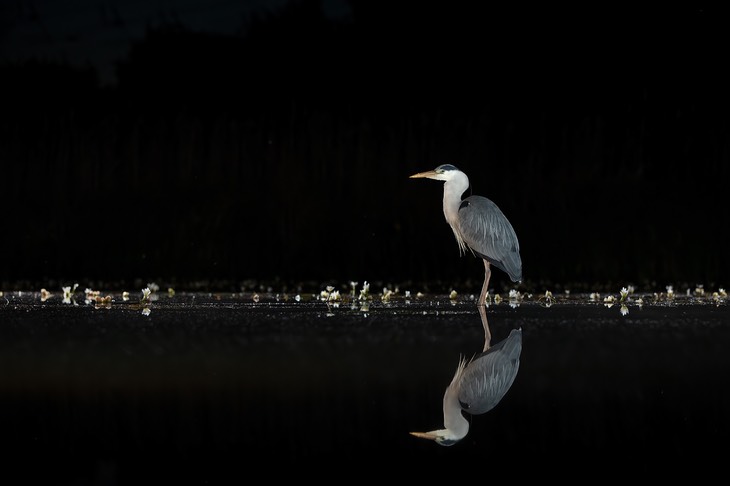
[490, 375]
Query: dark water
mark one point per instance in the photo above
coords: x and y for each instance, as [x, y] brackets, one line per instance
[220, 389]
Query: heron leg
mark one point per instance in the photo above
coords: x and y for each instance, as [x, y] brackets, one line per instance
[485, 287]
[485, 323]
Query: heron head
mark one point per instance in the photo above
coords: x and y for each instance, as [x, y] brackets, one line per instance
[443, 172]
[442, 437]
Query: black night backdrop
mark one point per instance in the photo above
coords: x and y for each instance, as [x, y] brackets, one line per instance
[220, 147]
[280, 152]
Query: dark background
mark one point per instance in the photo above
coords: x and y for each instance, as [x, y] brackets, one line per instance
[281, 153]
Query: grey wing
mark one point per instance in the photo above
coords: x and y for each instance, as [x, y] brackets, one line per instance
[488, 232]
[490, 375]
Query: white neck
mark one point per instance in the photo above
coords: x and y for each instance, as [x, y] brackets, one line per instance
[453, 189]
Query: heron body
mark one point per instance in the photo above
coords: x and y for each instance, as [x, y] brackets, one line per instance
[490, 374]
[479, 225]
[477, 387]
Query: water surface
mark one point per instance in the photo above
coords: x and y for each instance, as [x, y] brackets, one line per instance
[208, 388]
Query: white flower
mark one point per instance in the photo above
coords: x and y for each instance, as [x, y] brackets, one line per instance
[624, 293]
[68, 293]
[624, 310]
[146, 293]
[365, 292]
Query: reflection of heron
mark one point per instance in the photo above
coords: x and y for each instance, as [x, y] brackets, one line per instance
[479, 225]
[478, 386]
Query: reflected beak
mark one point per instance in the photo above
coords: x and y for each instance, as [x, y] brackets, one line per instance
[431, 174]
[424, 435]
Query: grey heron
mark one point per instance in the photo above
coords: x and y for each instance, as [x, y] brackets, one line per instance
[479, 225]
[477, 386]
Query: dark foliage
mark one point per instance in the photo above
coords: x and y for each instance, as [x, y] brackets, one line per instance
[284, 153]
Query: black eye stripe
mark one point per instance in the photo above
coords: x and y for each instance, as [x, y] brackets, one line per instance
[445, 167]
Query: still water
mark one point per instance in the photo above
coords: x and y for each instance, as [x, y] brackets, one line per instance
[201, 388]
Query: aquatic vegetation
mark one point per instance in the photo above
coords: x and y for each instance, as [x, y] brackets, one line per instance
[68, 292]
[330, 294]
[719, 295]
[355, 297]
[102, 302]
[624, 294]
[90, 295]
[547, 299]
[365, 292]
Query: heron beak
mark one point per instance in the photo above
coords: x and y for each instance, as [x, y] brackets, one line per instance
[424, 435]
[431, 174]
